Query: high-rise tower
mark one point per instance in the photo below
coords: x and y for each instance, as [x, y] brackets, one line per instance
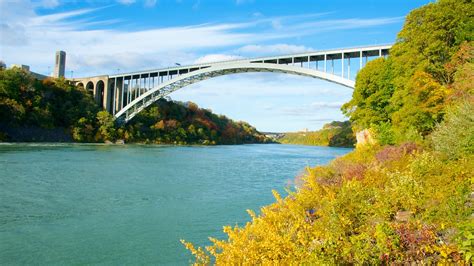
[60, 65]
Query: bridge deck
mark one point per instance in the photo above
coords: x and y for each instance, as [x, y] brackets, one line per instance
[128, 93]
[314, 56]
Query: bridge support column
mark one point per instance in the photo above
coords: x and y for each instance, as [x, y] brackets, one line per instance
[325, 63]
[132, 89]
[148, 85]
[349, 67]
[360, 61]
[114, 93]
[129, 91]
[117, 96]
[342, 64]
[138, 92]
[105, 100]
[123, 91]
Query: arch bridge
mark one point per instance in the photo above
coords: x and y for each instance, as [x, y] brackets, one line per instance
[125, 95]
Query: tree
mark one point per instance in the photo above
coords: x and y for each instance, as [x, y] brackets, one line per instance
[430, 36]
[455, 135]
[431, 58]
[370, 103]
[83, 131]
[428, 42]
[193, 107]
[424, 107]
[106, 124]
[461, 67]
[11, 112]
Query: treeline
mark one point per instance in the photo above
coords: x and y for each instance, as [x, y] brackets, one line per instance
[60, 111]
[334, 134]
[30, 105]
[405, 197]
[173, 122]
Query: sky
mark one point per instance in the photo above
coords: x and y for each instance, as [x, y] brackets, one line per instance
[112, 36]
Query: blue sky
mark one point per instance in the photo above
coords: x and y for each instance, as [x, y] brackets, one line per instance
[104, 37]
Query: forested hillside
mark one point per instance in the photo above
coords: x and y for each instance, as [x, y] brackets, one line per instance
[334, 134]
[185, 123]
[407, 196]
[56, 110]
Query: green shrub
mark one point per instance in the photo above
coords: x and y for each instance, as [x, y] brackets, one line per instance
[455, 135]
[384, 133]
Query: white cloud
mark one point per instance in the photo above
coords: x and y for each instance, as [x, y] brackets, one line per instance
[32, 39]
[270, 101]
[126, 2]
[276, 24]
[274, 49]
[318, 105]
[196, 5]
[150, 3]
[240, 2]
[342, 24]
[265, 85]
[216, 58]
[307, 110]
[49, 3]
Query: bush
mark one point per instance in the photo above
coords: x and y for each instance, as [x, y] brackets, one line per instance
[393, 153]
[384, 133]
[394, 205]
[454, 137]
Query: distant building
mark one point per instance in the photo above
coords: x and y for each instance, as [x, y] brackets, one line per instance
[23, 67]
[273, 135]
[27, 69]
[60, 64]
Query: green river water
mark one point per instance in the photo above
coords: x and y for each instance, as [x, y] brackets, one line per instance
[131, 204]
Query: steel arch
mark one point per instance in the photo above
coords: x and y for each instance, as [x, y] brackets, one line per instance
[146, 99]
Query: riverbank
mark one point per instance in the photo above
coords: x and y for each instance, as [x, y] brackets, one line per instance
[334, 134]
[375, 204]
[56, 110]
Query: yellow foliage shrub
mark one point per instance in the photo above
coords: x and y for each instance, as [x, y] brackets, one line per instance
[405, 209]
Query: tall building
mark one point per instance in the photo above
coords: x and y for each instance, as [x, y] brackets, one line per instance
[60, 65]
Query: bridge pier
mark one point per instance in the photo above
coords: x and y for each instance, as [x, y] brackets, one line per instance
[97, 87]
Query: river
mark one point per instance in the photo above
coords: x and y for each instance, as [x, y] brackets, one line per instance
[131, 204]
